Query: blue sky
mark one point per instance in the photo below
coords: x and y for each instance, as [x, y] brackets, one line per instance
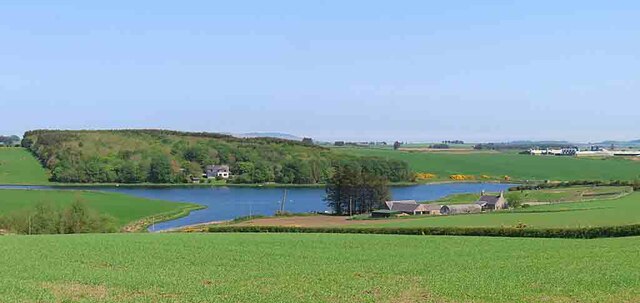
[408, 70]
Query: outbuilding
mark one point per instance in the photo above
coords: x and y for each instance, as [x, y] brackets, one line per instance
[460, 209]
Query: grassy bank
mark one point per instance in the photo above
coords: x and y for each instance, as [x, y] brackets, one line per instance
[124, 208]
[315, 268]
[18, 166]
[517, 167]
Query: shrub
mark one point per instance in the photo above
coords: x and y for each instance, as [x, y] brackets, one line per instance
[47, 219]
[516, 231]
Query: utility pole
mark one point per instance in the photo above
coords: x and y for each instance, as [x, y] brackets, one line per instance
[350, 207]
[29, 224]
[284, 199]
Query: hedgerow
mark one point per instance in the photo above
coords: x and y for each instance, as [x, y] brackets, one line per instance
[576, 233]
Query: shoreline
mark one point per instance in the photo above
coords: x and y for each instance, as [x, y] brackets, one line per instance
[263, 185]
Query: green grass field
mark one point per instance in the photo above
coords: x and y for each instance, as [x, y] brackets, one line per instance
[518, 167]
[124, 208]
[623, 211]
[316, 268]
[18, 166]
[569, 194]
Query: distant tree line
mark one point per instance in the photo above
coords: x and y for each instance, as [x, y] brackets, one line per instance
[137, 156]
[453, 142]
[9, 140]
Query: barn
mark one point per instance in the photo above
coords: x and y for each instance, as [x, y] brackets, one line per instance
[460, 209]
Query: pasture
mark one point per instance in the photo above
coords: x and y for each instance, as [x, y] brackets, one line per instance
[623, 211]
[496, 165]
[18, 166]
[561, 194]
[316, 268]
[124, 208]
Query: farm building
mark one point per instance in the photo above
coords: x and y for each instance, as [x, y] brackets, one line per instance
[215, 171]
[412, 207]
[492, 202]
[460, 209]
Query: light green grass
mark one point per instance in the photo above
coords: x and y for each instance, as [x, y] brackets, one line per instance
[621, 211]
[124, 208]
[316, 268]
[569, 194]
[18, 166]
[518, 167]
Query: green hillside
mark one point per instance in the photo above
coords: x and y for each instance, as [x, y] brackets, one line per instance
[316, 268]
[160, 156]
[124, 208]
[516, 166]
[18, 166]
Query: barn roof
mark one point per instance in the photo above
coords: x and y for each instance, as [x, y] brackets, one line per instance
[463, 206]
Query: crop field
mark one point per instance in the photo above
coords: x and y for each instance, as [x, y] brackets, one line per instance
[124, 208]
[18, 166]
[623, 211]
[569, 194]
[516, 166]
[316, 268]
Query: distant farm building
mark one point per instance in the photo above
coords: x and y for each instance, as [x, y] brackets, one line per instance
[217, 171]
[412, 207]
[492, 202]
[460, 209]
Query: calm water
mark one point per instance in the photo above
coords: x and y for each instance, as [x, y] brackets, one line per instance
[224, 203]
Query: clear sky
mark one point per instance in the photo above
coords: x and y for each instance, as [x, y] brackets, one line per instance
[407, 70]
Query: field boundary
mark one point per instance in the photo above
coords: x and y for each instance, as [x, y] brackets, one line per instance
[570, 233]
[143, 224]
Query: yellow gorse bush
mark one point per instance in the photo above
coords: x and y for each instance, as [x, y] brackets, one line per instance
[461, 177]
[425, 176]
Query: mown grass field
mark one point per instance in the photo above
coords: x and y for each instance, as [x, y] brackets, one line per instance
[18, 166]
[623, 211]
[577, 193]
[516, 166]
[124, 208]
[316, 268]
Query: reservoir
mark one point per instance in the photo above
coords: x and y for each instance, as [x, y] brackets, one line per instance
[225, 203]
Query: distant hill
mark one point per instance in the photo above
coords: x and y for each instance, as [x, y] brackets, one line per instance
[619, 143]
[164, 156]
[269, 135]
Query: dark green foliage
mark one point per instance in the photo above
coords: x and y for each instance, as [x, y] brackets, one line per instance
[160, 170]
[635, 184]
[514, 199]
[44, 218]
[355, 189]
[575, 233]
[159, 156]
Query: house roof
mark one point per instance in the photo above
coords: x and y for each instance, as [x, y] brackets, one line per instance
[391, 203]
[486, 199]
[217, 167]
[405, 207]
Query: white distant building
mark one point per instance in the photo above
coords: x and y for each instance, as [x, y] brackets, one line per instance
[217, 171]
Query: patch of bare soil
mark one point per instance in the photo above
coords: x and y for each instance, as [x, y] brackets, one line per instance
[65, 292]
